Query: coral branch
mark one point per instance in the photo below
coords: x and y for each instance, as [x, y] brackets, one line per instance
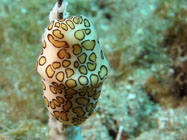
[60, 132]
[59, 10]
[59, 14]
[120, 131]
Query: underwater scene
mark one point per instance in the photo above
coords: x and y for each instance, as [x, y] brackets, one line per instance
[129, 83]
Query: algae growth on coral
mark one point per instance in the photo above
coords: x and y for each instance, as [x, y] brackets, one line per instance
[145, 94]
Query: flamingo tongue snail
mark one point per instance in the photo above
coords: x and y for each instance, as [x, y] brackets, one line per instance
[73, 67]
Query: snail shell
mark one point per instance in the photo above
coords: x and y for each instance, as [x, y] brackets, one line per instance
[73, 67]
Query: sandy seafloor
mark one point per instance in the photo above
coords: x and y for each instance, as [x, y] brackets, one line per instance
[145, 94]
